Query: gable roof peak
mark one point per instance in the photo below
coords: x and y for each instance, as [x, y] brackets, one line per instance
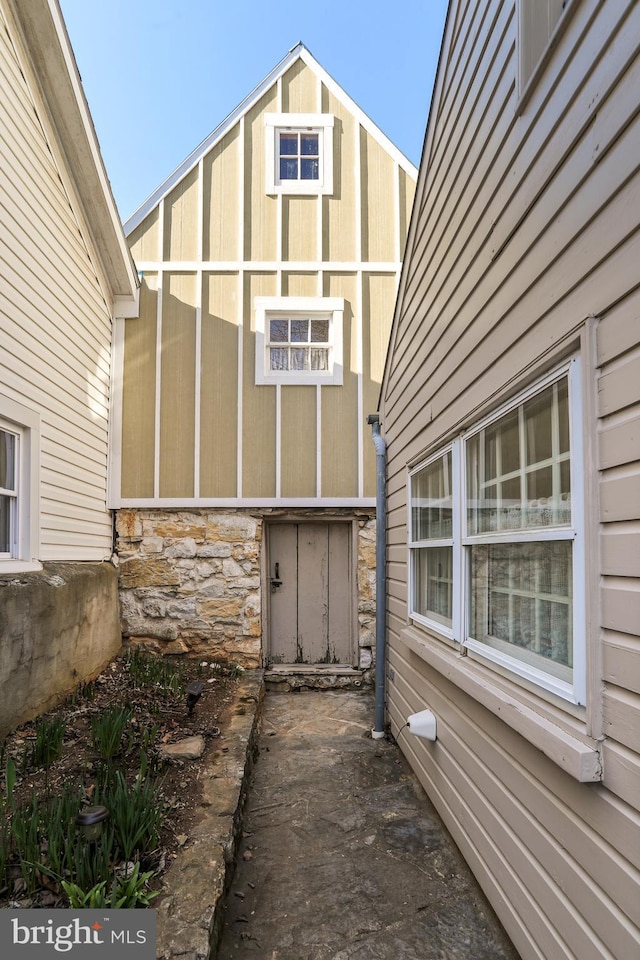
[299, 51]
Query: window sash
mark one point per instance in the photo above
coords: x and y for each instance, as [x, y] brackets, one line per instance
[535, 631]
[299, 155]
[299, 343]
[9, 480]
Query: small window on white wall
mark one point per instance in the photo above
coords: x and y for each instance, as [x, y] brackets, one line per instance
[299, 153]
[299, 340]
[19, 496]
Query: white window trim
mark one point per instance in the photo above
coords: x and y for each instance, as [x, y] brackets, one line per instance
[574, 692]
[321, 123]
[527, 79]
[264, 306]
[25, 423]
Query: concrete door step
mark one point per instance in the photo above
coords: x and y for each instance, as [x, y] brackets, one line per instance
[296, 676]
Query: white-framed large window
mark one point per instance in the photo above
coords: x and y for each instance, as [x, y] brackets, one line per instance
[19, 490]
[299, 153]
[299, 340]
[496, 538]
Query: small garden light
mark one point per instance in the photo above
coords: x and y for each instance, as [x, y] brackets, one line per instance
[90, 820]
[194, 692]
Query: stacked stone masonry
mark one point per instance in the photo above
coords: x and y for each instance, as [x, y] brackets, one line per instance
[191, 581]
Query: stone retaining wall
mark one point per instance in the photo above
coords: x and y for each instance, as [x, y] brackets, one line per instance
[191, 580]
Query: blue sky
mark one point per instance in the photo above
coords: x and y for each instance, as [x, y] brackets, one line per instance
[159, 75]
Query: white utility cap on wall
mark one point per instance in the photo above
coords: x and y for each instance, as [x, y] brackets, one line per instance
[423, 724]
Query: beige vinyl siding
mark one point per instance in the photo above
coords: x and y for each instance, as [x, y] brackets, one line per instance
[218, 415]
[298, 442]
[144, 242]
[528, 226]
[299, 90]
[139, 394]
[556, 859]
[379, 291]
[181, 220]
[258, 403]
[340, 227]
[299, 284]
[618, 405]
[55, 327]
[340, 429]
[378, 198]
[261, 227]
[178, 394]
[221, 197]
[300, 228]
[406, 192]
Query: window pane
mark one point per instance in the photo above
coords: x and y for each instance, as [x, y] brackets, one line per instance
[6, 506]
[288, 169]
[299, 358]
[279, 331]
[431, 503]
[7, 460]
[309, 170]
[509, 443]
[279, 358]
[319, 358]
[521, 597]
[433, 583]
[319, 331]
[563, 415]
[537, 415]
[289, 144]
[309, 144]
[503, 493]
[299, 331]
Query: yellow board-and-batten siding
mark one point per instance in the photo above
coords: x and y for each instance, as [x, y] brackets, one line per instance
[218, 225]
[55, 325]
[526, 249]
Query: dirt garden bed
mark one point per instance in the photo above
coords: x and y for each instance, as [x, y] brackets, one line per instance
[97, 766]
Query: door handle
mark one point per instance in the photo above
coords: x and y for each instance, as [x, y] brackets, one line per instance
[276, 581]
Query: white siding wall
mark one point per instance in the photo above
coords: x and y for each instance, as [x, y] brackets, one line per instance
[526, 225]
[55, 328]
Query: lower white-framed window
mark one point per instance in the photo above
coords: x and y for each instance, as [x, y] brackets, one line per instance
[496, 538]
[19, 494]
[299, 340]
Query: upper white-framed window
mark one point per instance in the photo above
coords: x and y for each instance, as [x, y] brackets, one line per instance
[299, 153]
[299, 340]
[496, 538]
[540, 23]
[19, 487]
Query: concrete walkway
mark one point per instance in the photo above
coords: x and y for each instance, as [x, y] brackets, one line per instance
[342, 856]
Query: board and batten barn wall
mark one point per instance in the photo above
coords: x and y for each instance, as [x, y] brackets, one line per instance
[524, 248]
[196, 430]
[197, 433]
[64, 267]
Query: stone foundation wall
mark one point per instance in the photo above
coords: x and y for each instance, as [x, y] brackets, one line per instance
[191, 580]
[59, 627]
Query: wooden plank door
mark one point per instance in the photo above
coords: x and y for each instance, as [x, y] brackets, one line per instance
[310, 598]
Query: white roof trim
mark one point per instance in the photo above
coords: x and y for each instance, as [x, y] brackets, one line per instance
[299, 52]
